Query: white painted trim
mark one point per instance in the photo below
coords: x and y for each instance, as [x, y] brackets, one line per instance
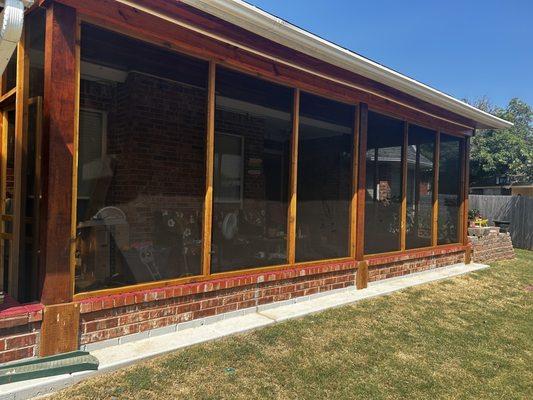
[264, 24]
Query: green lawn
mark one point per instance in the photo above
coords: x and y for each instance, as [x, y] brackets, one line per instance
[470, 337]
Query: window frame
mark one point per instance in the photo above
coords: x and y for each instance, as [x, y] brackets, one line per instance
[242, 168]
[462, 237]
[103, 133]
[356, 209]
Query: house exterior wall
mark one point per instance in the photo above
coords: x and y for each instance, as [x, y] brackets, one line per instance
[112, 316]
[106, 319]
[522, 191]
[20, 331]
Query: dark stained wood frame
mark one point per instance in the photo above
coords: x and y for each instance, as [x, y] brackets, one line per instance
[403, 217]
[209, 164]
[207, 38]
[435, 210]
[218, 51]
[361, 182]
[59, 115]
[291, 220]
[20, 162]
[466, 184]
[355, 181]
[361, 279]
[4, 236]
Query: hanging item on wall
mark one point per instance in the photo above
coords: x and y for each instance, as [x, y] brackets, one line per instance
[230, 226]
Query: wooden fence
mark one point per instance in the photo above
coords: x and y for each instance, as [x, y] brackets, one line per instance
[518, 210]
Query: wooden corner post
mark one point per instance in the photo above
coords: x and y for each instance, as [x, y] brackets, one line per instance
[291, 220]
[209, 168]
[466, 191]
[60, 326]
[361, 280]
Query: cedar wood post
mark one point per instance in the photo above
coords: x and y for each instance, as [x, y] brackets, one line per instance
[466, 191]
[361, 280]
[61, 316]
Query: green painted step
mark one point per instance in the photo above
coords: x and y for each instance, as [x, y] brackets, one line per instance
[60, 364]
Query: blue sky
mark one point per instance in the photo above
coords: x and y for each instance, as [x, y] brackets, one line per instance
[466, 48]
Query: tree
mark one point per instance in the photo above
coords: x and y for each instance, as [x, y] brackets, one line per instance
[506, 152]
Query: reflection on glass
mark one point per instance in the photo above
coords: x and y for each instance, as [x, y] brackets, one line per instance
[8, 188]
[10, 74]
[325, 179]
[253, 125]
[141, 162]
[383, 184]
[420, 154]
[450, 171]
[35, 27]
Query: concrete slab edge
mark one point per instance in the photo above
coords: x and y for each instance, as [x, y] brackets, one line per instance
[46, 386]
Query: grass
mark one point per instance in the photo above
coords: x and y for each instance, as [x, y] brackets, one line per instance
[470, 337]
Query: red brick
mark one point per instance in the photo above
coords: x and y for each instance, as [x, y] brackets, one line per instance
[17, 342]
[17, 354]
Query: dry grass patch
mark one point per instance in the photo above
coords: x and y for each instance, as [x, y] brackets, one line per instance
[467, 337]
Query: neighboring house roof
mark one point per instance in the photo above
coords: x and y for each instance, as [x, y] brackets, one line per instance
[394, 154]
[282, 32]
[502, 181]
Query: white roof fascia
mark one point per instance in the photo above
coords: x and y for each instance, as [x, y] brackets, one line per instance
[255, 20]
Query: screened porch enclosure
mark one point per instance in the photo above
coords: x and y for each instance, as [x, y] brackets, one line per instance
[154, 156]
[158, 128]
[186, 169]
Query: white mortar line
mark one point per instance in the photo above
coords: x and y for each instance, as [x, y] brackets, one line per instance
[126, 351]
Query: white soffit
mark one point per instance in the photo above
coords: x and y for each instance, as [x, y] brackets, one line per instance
[255, 20]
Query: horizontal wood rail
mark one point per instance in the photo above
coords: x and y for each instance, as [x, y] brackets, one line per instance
[204, 38]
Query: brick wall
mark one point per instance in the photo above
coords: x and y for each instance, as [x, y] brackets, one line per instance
[156, 140]
[115, 316]
[489, 245]
[404, 266]
[20, 333]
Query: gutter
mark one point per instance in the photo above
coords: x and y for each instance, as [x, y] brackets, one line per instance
[11, 23]
[264, 24]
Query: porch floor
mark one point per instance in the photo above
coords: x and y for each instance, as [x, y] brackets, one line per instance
[183, 335]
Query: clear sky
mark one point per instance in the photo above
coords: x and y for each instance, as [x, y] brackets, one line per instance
[466, 48]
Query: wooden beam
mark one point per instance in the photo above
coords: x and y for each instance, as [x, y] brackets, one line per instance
[9, 97]
[3, 186]
[466, 191]
[250, 53]
[361, 280]
[361, 182]
[60, 329]
[461, 193]
[58, 147]
[36, 287]
[355, 164]
[74, 194]
[435, 209]
[209, 164]
[403, 208]
[291, 220]
[20, 165]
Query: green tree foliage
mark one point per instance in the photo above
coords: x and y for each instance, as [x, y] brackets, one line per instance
[505, 152]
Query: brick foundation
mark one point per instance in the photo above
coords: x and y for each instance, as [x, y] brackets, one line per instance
[110, 317]
[20, 332]
[402, 266]
[489, 245]
[114, 316]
